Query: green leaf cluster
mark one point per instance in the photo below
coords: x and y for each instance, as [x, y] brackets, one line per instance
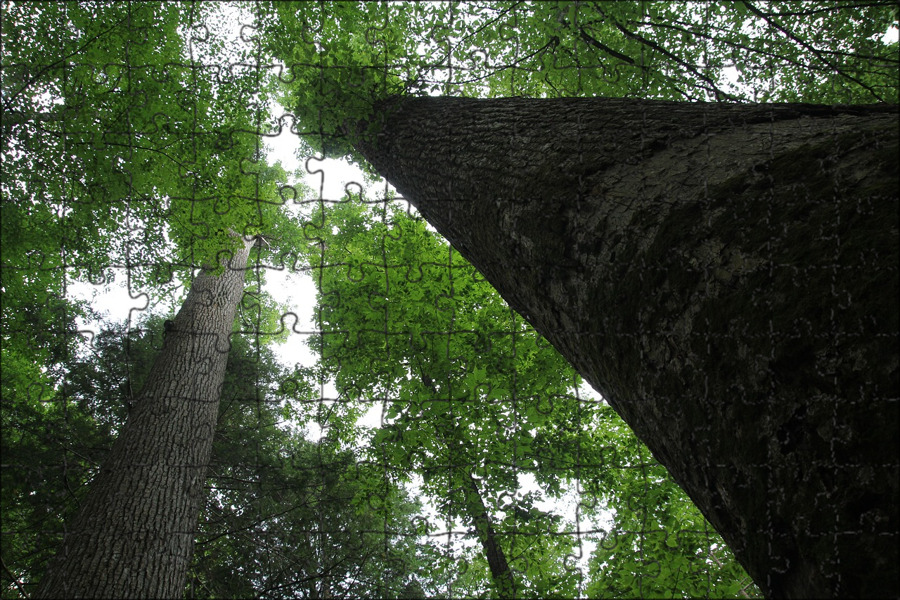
[126, 147]
[121, 146]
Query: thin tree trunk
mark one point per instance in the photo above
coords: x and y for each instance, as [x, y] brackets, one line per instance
[134, 535]
[725, 275]
[501, 574]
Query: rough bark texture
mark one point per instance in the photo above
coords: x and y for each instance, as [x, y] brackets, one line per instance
[134, 535]
[725, 275]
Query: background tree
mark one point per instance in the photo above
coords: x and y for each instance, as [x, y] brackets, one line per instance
[268, 495]
[139, 515]
[109, 161]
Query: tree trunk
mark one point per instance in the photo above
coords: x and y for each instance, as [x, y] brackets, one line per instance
[504, 582]
[134, 534]
[725, 275]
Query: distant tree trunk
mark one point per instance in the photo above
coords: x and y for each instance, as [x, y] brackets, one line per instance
[134, 534]
[501, 574]
[725, 275]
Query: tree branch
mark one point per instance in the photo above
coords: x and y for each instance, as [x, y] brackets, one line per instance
[595, 43]
[650, 43]
[818, 54]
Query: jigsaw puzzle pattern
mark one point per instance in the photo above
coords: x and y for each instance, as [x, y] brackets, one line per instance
[387, 426]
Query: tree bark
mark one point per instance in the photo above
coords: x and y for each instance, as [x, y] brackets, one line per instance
[726, 276]
[134, 534]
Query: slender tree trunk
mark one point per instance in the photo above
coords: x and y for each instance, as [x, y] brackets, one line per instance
[725, 275]
[134, 535]
[501, 574]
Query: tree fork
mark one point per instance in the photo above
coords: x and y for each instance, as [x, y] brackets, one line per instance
[725, 275]
[133, 536]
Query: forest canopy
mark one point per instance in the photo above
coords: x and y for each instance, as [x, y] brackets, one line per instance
[134, 141]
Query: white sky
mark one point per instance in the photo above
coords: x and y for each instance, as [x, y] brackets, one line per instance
[297, 290]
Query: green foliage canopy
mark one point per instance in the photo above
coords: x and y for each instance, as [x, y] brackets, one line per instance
[339, 60]
[470, 392]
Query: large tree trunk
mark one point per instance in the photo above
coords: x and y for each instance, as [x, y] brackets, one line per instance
[725, 275]
[134, 535]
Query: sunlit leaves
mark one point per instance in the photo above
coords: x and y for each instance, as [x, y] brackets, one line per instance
[470, 390]
[139, 146]
[407, 321]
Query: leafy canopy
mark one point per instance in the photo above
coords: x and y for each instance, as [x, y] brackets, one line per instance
[473, 399]
[339, 60]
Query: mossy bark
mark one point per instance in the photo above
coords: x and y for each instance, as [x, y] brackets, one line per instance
[725, 275]
[133, 536]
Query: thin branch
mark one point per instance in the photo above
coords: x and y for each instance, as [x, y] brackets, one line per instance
[803, 44]
[597, 44]
[14, 579]
[490, 22]
[15, 117]
[590, 40]
[651, 44]
[716, 90]
[814, 11]
[688, 28]
[724, 40]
